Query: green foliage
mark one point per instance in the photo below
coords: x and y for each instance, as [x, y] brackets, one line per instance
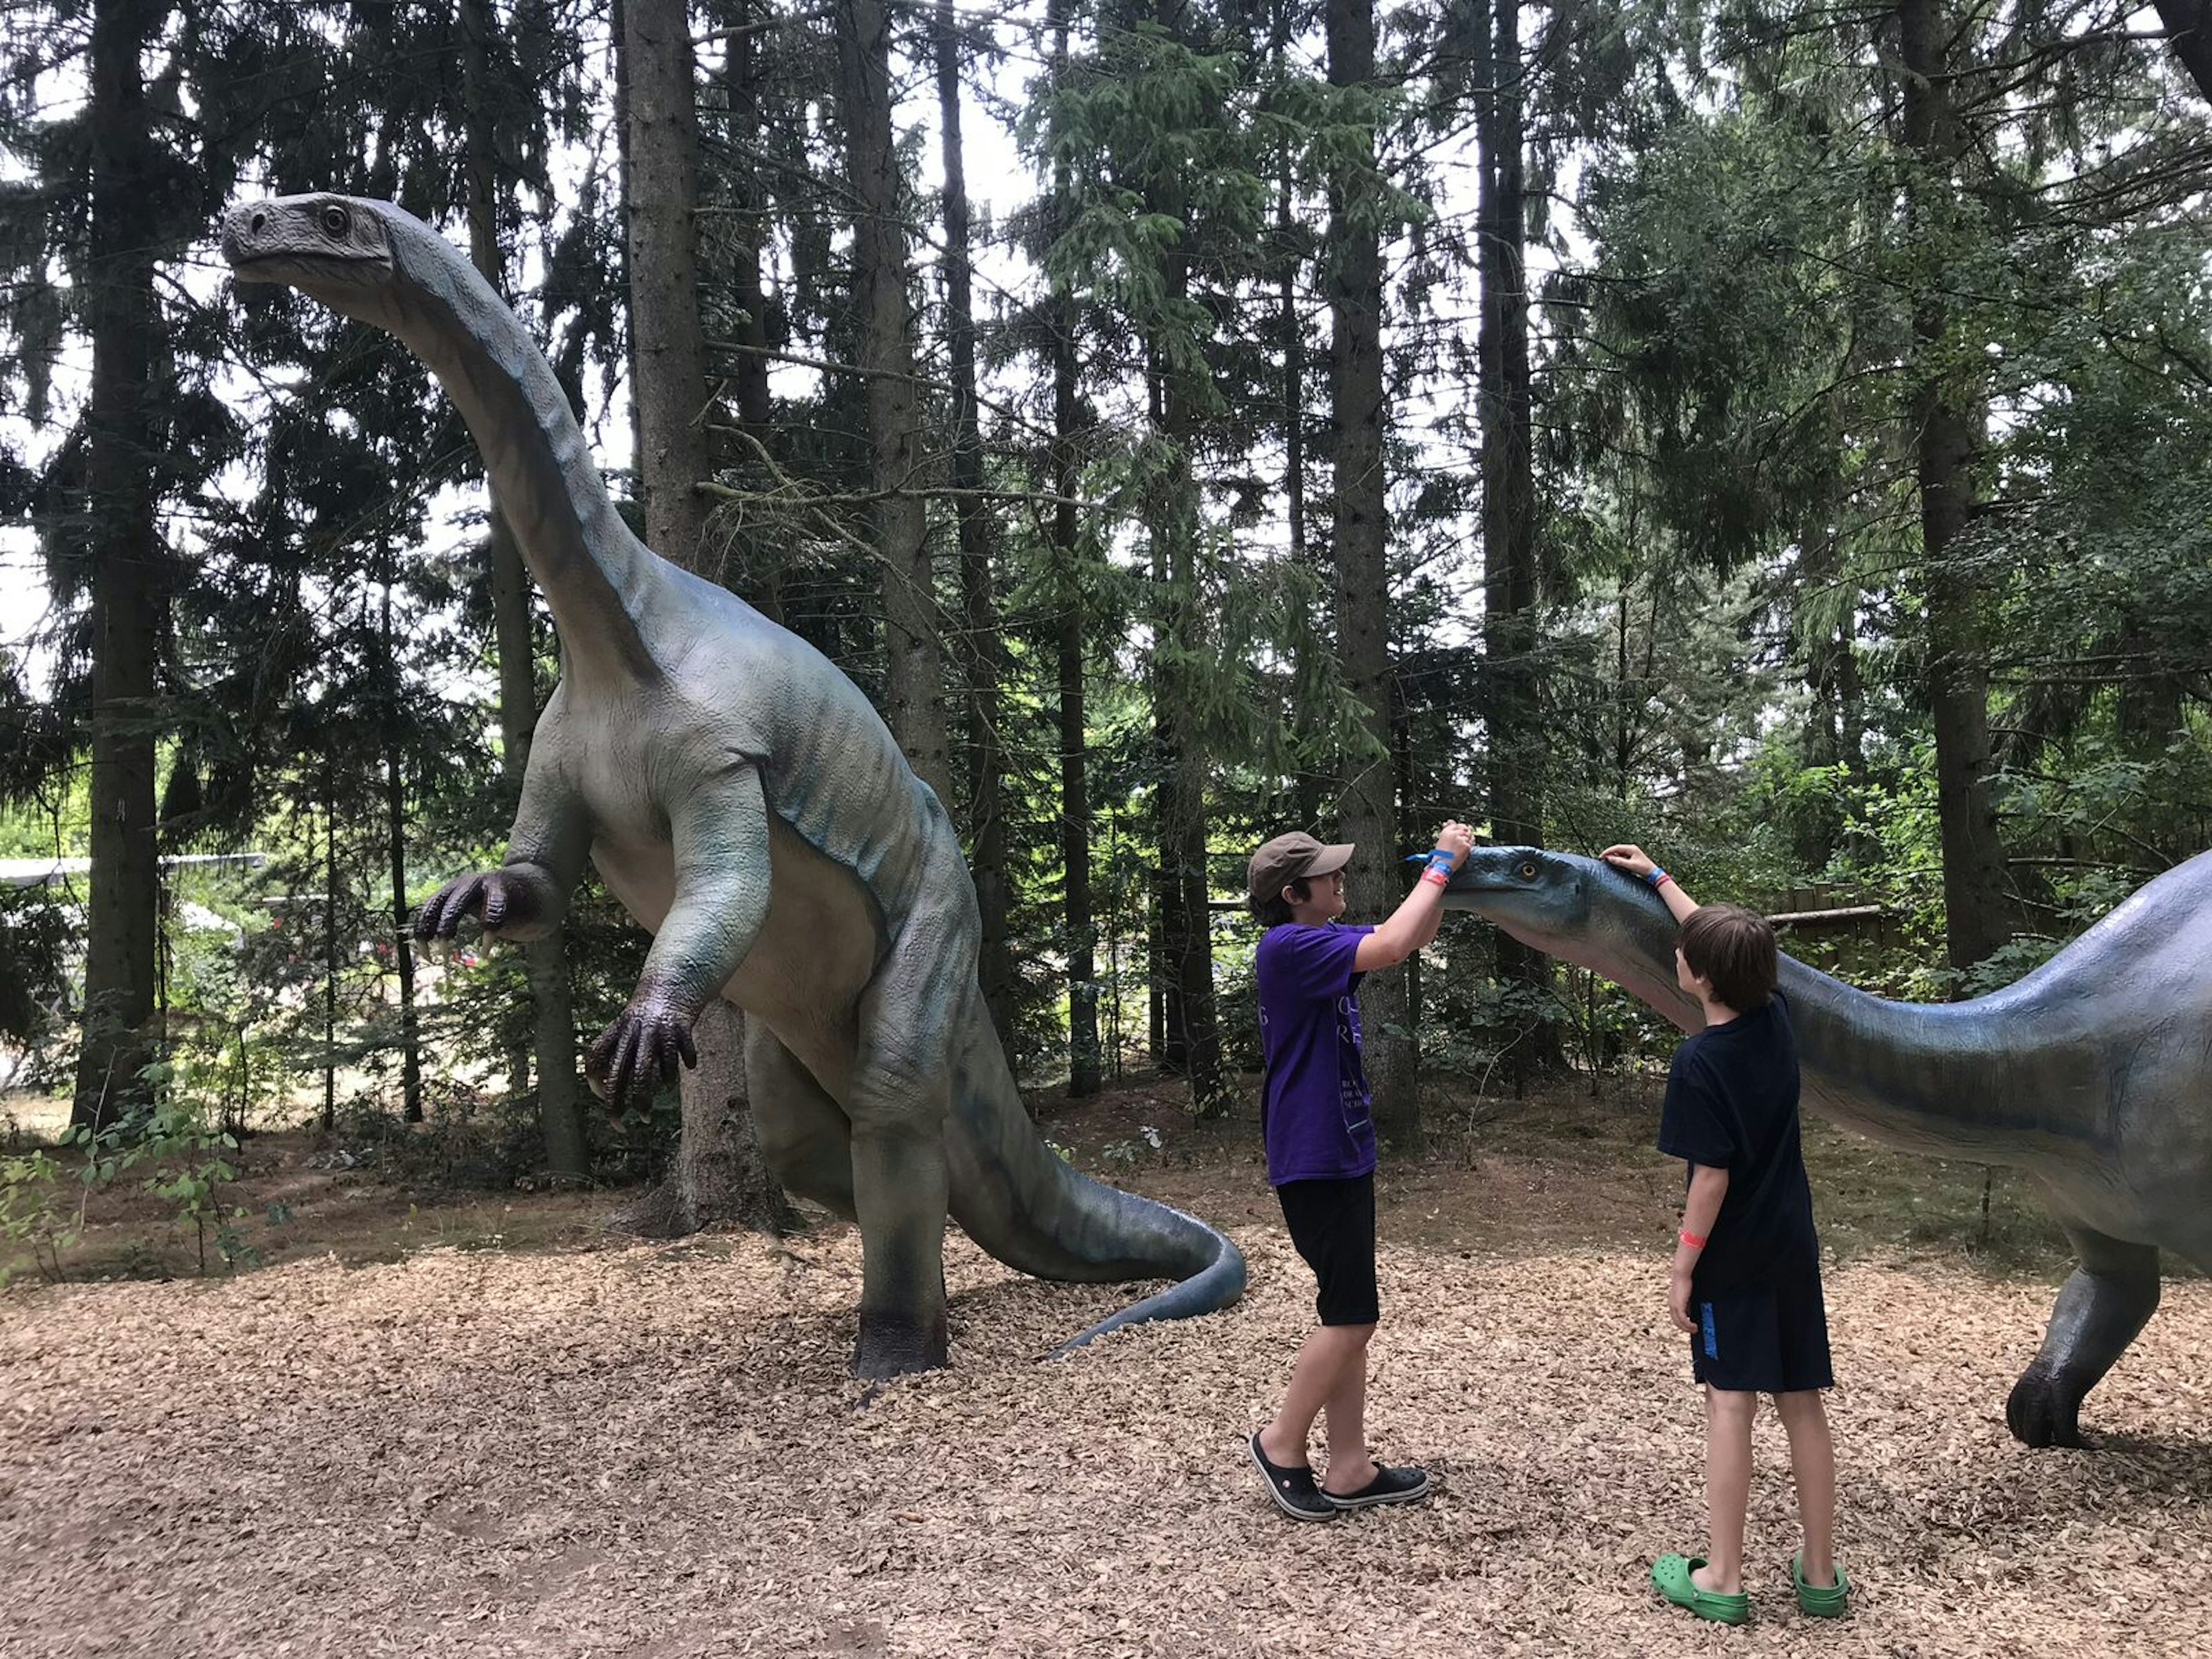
[179, 1153]
[1126, 1155]
[30, 1214]
[33, 933]
[1733, 251]
[188, 1157]
[58, 823]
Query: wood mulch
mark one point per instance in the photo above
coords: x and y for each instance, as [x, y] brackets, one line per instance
[656, 1452]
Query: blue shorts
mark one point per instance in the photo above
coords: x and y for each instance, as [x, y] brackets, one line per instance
[1763, 1339]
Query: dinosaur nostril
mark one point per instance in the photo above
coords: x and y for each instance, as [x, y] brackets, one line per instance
[260, 219]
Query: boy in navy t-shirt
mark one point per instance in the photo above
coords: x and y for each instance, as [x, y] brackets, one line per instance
[1321, 1149]
[1745, 1287]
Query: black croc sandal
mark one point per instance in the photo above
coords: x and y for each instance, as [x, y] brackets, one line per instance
[1293, 1489]
[1390, 1485]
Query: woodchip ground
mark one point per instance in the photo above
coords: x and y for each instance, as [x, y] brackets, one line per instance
[656, 1453]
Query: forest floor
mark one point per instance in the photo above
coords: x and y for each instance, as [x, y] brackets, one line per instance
[436, 1422]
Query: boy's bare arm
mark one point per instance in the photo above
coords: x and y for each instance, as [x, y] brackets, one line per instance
[1414, 922]
[1709, 1185]
[1639, 864]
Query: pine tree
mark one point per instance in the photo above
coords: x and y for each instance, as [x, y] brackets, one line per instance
[1060, 322]
[1368, 814]
[913, 640]
[719, 1174]
[981, 654]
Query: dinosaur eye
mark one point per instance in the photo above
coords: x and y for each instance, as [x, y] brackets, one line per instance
[336, 220]
[1527, 870]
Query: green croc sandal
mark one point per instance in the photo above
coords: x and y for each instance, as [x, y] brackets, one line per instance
[1817, 1600]
[1670, 1577]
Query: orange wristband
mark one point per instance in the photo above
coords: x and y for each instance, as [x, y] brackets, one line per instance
[1696, 1241]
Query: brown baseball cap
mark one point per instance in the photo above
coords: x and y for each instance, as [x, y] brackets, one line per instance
[1288, 858]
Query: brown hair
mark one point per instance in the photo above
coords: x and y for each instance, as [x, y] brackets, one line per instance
[1732, 948]
[1271, 909]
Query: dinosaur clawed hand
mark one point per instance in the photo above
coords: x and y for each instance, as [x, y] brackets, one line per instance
[496, 898]
[640, 1052]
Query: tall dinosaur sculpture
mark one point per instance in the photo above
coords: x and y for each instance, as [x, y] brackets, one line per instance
[748, 807]
[2093, 1075]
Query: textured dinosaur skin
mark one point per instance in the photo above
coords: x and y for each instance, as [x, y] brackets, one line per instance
[750, 809]
[2093, 1075]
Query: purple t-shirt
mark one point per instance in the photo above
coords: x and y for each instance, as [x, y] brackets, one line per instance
[1314, 1103]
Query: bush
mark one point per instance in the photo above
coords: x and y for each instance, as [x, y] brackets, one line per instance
[33, 987]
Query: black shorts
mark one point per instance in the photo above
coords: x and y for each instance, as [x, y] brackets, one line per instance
[1333, 1224]
[1769, 1338]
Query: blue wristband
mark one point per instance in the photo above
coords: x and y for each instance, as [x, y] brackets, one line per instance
[1656, 876]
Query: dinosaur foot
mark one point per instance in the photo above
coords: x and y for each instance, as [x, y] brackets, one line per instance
[898, 1345]
[2042, 1411]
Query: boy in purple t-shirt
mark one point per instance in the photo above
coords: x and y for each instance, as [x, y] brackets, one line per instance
[1320, 1151]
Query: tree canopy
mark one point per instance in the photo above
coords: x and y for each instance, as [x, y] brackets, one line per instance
[1776, 433]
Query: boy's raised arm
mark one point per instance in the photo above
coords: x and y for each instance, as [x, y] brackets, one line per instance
[1639, 864]
[1414, 922]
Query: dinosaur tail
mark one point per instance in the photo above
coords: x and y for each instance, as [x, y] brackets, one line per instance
[1035, 1213]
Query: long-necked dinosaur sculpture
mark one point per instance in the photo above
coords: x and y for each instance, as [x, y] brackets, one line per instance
[749, 808]
[2093, 1075]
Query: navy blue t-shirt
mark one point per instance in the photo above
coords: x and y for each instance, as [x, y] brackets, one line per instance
[1732, 1104]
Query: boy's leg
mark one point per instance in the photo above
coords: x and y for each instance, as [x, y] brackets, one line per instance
[1813, 1466]
[1325, 1358]
[1349, 1468]
[1333, 1224]
[1727, 1487]
[1355, 1305]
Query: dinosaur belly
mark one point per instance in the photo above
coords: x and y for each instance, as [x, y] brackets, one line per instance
[815, 954]
[805, 976]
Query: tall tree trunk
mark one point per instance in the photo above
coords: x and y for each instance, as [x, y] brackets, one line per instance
[750, 371]
[560, 1101]
[1308, 785]
[1624, 703]
[330, 939]
[1368, 811]
[1510, 700]
[720, 1174]
[395, 833]
[668, 348]
[1948, 429]
[1189, 1027]
[127, 579]
[914, 648]
[1410, 785]
[986, 817]
[1083, 1068]
[1169, 1048]
[1850, 701]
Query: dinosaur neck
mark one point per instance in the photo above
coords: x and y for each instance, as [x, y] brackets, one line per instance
[597, 577]
[1931, 1078]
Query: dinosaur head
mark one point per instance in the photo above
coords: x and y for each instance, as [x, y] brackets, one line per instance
[1580, 910]
[373, 261]
[331, 247]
